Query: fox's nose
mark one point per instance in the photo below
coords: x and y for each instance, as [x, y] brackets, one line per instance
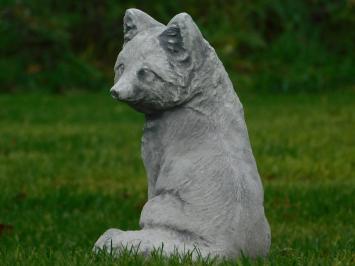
[114, 94]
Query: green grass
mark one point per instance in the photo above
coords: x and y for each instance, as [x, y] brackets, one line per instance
[70, 168]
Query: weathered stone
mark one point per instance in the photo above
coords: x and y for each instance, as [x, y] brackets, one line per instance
[204, 190]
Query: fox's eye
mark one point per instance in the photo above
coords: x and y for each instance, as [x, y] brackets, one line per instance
[118, 71]
[146, 74]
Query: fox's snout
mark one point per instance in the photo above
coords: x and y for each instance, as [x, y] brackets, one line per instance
[121, 91]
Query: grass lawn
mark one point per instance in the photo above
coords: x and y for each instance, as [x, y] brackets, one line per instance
[70, 168]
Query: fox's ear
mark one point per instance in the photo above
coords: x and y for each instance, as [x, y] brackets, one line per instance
[136, 21]
[183, 41]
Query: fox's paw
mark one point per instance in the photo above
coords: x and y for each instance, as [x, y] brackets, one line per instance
[115, 241]
[108, 240]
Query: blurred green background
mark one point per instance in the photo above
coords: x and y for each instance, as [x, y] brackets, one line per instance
[70, 164]
[271, 45]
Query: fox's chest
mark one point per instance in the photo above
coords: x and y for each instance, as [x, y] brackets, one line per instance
[172, 135]
[152, 152]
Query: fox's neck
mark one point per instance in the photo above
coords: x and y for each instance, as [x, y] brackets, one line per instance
[179, 127]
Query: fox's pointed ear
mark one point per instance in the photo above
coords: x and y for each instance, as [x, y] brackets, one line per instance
[136, 21]
[183, 41]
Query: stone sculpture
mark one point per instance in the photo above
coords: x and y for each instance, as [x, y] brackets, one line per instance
[204, 190]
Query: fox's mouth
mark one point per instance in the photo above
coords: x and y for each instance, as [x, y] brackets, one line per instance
[135, 104]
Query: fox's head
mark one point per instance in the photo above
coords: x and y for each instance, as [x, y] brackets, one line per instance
[153, 72]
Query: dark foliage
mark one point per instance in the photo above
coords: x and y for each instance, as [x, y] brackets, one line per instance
[277, 45]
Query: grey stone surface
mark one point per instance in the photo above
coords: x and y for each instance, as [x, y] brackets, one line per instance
[204, 189]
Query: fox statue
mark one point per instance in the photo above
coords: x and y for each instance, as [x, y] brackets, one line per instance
[204, 189]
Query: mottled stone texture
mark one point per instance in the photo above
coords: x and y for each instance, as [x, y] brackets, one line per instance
[204, 189]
